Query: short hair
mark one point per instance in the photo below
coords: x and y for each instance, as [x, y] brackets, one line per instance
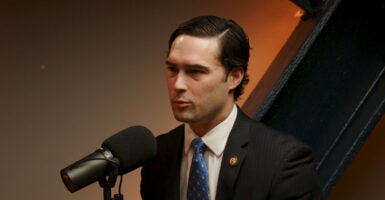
[234, 47]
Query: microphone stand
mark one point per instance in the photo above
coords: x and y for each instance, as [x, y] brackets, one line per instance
[109, 183]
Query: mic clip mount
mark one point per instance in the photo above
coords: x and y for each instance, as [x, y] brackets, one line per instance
[108, 182]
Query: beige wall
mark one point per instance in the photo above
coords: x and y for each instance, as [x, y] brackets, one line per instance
[74, 72]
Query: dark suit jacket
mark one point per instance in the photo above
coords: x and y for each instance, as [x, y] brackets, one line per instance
[271, 165]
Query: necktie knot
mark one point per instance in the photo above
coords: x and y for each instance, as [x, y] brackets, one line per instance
[198, 145]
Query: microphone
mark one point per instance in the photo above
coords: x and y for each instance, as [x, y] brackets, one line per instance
[127, 150]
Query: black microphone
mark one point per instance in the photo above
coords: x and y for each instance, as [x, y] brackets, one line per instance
[128, 150]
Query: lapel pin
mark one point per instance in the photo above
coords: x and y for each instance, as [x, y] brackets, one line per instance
[233, 161]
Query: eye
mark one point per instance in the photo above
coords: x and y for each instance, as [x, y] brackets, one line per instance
[172, 69]
[195, 71]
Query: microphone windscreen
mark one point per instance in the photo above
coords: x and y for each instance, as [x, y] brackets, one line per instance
[132, 147]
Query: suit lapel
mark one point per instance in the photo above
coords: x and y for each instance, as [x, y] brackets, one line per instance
[173, 163]
[234, 154]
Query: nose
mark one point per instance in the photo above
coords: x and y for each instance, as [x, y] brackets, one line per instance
[180, 81]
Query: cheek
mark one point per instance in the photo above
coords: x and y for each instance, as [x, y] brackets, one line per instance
[213, 92]
[170, 89]
[170, 83]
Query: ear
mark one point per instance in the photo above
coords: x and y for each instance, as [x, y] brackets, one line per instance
[235, 77]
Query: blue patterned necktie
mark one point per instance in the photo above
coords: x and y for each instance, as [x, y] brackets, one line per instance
[198, 185]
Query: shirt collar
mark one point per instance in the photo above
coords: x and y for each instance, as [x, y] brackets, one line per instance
[216, 138]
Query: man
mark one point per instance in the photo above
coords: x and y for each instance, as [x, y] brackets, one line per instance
[244, 159]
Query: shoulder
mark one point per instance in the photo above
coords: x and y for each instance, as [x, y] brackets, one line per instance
[258, 131]
[169, 147]
[175, 134]
[170, 144]
[272, 144]
[286, 161]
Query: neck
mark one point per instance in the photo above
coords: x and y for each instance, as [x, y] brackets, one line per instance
[201, 128]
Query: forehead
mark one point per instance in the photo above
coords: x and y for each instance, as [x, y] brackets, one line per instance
[193, 49]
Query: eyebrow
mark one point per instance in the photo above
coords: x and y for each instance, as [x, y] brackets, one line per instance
[196, 66]
[169, 63]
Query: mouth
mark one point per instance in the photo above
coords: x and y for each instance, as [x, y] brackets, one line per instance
[181, 103]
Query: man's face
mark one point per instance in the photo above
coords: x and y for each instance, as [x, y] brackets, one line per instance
[199, 90]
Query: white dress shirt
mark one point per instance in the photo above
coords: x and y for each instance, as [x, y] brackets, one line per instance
[215, 141]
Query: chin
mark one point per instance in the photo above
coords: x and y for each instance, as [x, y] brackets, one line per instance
[184, 119]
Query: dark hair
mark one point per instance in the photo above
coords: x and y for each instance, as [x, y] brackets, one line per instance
[233, 42]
